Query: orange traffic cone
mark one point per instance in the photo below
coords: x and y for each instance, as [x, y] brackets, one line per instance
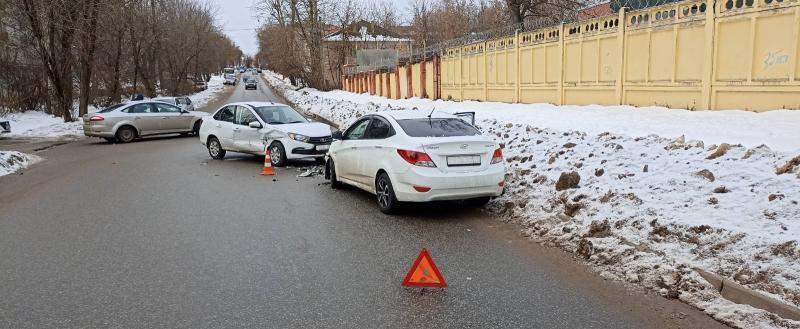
[267, 165]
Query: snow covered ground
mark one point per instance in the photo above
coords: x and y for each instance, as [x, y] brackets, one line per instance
[647, 194]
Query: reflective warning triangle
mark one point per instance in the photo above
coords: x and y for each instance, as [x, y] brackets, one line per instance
[423, 273]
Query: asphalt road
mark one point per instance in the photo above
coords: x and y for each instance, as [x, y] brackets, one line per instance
[156, 234]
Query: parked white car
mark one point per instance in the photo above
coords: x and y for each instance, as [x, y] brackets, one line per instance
[182, 101]
[416, 156]
[250, 127]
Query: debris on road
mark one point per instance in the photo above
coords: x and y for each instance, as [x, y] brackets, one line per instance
[311, 172]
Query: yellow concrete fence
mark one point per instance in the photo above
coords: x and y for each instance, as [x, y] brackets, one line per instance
[741, 54]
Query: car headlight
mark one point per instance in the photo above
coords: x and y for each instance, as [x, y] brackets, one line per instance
[298, 137]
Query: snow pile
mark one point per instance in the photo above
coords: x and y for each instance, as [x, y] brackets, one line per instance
[12, 161]
[605, 183]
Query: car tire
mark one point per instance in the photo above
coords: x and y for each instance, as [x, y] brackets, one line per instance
[196, 127]
[478, 202]
[384, 193]
[215, 149]
[126, 134]
[277, 154]
[335, 183]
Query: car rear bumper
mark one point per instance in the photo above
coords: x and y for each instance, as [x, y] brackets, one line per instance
[97, 131]
[448, 186]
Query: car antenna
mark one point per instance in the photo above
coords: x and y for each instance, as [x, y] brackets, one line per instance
[430, 122]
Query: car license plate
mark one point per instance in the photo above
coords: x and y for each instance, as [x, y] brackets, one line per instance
[322, 147]
[463, 160]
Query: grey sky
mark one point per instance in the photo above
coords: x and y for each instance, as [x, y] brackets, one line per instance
[239, 20]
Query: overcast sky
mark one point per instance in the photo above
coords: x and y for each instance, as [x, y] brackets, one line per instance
[238, 19]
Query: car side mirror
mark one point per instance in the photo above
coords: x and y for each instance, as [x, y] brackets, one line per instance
[255, 124]
[337, 135]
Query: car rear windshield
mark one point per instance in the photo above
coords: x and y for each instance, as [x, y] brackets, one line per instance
[279, 115]
[110, 108]
[437, 127]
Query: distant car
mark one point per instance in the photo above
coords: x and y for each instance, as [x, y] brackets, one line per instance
[416, 156]
[200, 85]
[230, 79]
[128, 121]
[250, 83]
[241, 70]
[183, 102]
[258, 70]
[5, 127]
[251, 127]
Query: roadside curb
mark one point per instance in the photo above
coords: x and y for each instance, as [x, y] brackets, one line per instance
[739, 294]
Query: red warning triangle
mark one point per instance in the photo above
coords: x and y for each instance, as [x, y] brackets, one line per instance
[423, 273]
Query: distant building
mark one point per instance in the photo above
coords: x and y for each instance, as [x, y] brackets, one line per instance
[599, 10]
[341, 46]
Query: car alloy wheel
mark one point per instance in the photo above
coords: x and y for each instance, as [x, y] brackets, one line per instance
[275, 154]
[384, 193]
[215, 149]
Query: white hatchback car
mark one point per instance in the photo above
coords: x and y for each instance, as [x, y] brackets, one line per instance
[249, 127]
[416, 156]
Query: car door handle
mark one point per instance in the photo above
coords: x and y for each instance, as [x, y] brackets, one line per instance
[219, 125]
[378, 147]
[352, 147]
[136, 118]
[163, 118]
[235, 129]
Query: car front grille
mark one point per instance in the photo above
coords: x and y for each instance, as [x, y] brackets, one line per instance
[320, 140]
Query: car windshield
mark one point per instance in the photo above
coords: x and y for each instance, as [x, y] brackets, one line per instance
[229, 76]
[111, 108]
[279, 115]
[437, 127]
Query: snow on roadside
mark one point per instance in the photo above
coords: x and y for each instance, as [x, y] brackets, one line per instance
[38, 124]
[202, 98]
[13, 161]
[655, 192]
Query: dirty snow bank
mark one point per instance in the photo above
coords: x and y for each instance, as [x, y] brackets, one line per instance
[641, 207]
[38, 124]
[13, 161]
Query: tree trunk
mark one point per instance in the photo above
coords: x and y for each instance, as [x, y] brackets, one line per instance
[87, 55]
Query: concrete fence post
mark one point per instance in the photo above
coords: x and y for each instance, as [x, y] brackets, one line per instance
[619, 85]
[707, 102]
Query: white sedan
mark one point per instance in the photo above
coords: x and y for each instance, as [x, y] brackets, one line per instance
[250, 127]
[416, 156]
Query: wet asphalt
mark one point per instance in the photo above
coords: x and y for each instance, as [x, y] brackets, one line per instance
[155, 234]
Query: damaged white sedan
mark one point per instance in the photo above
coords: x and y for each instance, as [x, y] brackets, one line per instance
[251, 127]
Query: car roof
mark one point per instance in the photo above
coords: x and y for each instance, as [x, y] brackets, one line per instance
[415, 114]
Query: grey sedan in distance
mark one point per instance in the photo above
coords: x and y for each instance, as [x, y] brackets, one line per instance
[128, 121]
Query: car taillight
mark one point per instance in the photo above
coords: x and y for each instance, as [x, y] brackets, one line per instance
[497, 157]
[417, 158]
[96, 118]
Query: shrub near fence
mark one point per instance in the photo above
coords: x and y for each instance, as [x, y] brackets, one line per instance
[741, 54]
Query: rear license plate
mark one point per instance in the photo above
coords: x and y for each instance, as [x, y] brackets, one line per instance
[464, 160]
[322, 147]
